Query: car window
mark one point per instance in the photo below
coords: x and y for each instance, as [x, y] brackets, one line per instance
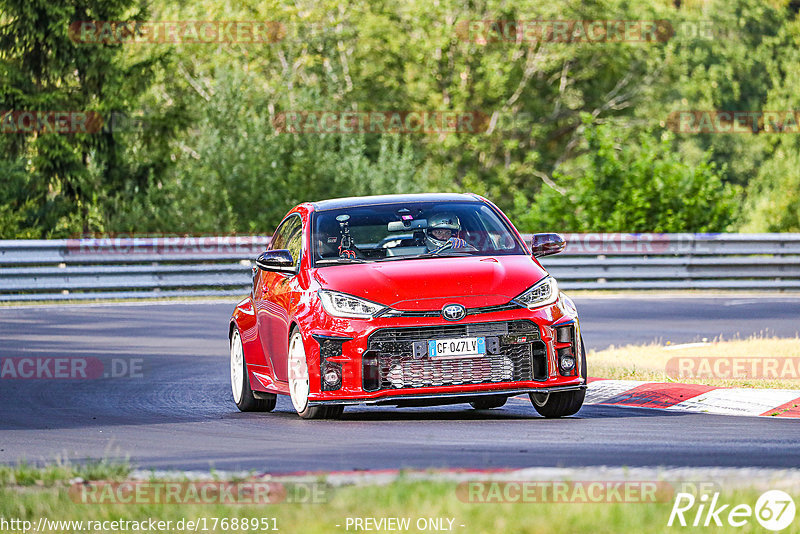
[405, 230]
[289, 235]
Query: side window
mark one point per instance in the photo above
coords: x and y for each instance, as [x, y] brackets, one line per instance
[289, 235]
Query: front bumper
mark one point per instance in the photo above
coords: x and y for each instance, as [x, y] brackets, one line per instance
[404, 374]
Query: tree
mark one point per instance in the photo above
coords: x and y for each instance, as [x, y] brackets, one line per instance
[635, 184]
[45, 71]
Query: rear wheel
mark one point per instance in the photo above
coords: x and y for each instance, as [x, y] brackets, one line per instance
[563, 403]
[487, 403]
[240, 382]
[299, 384]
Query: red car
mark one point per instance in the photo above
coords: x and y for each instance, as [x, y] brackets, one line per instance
[405, 300]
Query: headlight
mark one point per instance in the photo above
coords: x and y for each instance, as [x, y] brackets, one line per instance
[544, 292]
[344, 305]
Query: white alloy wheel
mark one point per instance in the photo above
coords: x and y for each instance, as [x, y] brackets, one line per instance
[298, 373]
[237, 366]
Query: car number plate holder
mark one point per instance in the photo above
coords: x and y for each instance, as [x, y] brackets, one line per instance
[462, 347]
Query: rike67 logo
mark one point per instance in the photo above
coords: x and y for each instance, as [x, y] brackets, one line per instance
[774, 510]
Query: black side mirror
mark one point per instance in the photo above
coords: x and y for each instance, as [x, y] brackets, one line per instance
[547, 244]
[279, 261]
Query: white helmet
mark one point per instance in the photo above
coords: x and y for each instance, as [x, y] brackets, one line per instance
[441, 221]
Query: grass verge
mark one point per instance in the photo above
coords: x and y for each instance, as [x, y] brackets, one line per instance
[701, 362]
[427, 506]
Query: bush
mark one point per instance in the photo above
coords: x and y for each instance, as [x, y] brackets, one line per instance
[638, 184]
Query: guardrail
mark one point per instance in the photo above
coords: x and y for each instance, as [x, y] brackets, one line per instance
[215, 266]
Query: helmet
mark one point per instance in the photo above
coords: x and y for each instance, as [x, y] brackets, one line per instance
[441, 221]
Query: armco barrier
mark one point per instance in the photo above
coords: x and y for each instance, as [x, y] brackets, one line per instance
[209, 266]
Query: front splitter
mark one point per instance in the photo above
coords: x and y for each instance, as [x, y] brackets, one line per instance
[395, 399]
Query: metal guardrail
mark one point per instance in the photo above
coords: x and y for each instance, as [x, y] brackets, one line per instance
[215, 266]
[678, 261]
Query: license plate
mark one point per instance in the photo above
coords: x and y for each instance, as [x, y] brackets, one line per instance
[463, 346]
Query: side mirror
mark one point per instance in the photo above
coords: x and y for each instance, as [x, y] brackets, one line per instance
[547, 244]
[279, 261]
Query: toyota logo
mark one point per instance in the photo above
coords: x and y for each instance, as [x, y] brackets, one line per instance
[454, 312]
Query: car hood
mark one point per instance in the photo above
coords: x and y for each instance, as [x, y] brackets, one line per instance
[430, 283]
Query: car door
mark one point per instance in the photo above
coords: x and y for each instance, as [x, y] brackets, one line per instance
[274, 299]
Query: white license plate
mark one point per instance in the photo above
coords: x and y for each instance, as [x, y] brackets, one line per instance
[463, 346]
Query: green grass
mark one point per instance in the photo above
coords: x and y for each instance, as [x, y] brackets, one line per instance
[403, 498]
[650, 362]
[61, 472]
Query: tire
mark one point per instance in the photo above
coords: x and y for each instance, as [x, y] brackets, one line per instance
[335, 411]
[240, 383]
[299, 384]
[565, 403]
[584, 369]
[487, 403]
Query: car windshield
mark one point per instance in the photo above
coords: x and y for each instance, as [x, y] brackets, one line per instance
[392, 232]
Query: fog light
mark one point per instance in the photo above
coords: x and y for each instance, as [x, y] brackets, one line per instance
[567, 363]
[332, 376]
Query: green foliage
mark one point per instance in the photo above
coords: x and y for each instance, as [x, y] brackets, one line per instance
[208, 159]
[774, 200]
[631, 185]
[67, 176]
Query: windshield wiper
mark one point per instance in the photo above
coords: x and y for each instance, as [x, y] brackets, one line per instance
[333, 261]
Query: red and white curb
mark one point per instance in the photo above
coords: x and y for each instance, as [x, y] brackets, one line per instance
[695, 398]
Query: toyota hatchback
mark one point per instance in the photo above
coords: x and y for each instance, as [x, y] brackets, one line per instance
[405, 300]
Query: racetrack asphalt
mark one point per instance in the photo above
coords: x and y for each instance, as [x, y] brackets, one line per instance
[177, 412]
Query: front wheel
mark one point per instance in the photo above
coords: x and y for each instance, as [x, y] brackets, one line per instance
[299, 384]
[564, 403]
[487, 403]
[240, 383]
[559, 404]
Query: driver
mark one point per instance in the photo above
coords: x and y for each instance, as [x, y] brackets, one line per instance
[443, 228]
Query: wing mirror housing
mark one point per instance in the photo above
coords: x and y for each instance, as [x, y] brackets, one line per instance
[278, 261]
[547, 244]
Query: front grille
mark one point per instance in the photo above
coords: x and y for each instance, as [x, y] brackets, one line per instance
[515, 353]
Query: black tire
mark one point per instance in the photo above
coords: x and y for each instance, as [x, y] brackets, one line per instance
[314, 412]
[247, 401]
[487, 403]
[584, 368]
[565, 403]
[562, 404]
[335, 411]
[322, 412]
